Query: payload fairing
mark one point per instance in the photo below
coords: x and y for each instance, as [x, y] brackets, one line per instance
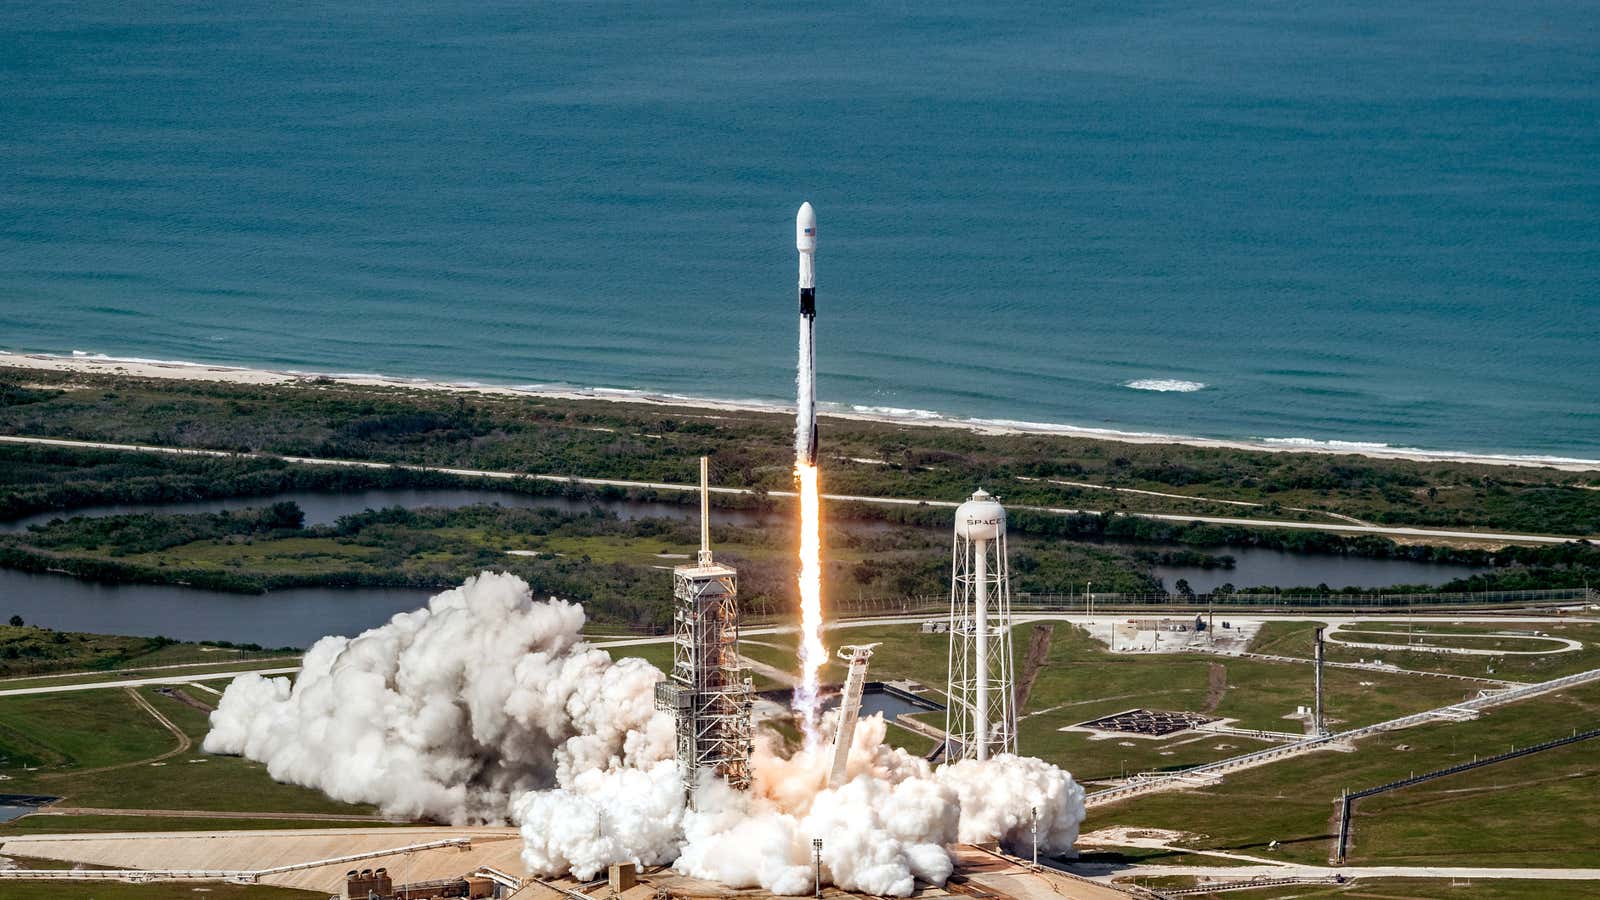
[805, 429]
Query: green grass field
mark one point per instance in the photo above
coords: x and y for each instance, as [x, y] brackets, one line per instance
[27, 651]
[56, 733]
[75, 734]
[1538, 809]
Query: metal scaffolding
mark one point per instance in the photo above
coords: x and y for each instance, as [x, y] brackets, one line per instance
[707, 691]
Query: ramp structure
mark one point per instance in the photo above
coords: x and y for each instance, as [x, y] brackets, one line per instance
[857, 655]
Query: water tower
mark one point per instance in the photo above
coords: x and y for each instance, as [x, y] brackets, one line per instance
[981, 719]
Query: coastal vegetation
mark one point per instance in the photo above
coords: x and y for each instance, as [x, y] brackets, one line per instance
[29, 650]
[876, 552]
[592, 438]
[614, 566]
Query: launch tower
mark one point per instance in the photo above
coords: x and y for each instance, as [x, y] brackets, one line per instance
[980, 719]
[707, 691]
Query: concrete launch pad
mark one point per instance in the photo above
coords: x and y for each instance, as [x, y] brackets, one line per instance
[980, 873]
[1144, 723]
[309, 859]
[317, 860]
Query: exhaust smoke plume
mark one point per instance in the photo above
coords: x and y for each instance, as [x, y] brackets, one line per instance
[813, 653]
[486, 706]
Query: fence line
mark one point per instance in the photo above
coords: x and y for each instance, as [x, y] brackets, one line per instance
[1213, 772]
[1348, 799]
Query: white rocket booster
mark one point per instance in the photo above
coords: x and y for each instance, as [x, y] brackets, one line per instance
[805, 426]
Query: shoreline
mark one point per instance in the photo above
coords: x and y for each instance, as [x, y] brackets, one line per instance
[101, 364]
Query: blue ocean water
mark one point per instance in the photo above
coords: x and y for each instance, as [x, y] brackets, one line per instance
[1361, 222]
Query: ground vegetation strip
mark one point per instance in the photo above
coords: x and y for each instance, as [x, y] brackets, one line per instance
[639, 441]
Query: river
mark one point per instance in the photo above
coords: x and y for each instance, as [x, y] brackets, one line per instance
[297, 617]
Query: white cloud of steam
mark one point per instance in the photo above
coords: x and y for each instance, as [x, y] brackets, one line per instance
[486, 706]
[446, 711]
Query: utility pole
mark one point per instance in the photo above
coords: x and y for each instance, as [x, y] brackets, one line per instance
[1088, 600]
[816, 852]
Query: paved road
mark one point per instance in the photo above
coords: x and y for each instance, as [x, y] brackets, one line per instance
[1490, 536]
[1441, 647]
[140, 682]
[200, 665]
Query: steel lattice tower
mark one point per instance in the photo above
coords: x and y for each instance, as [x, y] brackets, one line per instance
[980, 719]
[707, 691]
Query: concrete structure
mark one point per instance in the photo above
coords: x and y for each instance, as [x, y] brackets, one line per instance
[622, 876]
[849, 708]
[378, 884]
[706, 691]
[307, 859]
[462, 862]
[364, 883]
[980, 719]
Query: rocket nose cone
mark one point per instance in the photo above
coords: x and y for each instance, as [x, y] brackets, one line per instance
[805, 227]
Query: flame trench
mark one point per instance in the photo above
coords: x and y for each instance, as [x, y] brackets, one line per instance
[812, 652]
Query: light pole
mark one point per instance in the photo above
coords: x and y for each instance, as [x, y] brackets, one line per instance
[1036, 837]
[816, 853]
[1088, 600]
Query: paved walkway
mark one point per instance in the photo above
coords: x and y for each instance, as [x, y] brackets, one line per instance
[1563, 645]
[141, 682]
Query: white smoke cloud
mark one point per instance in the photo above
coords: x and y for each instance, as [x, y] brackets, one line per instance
[487, 706]
[446, 711]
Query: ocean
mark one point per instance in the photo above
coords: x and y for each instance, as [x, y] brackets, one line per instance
[1363, 223]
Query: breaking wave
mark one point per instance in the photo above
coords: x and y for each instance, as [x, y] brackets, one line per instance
[1166, 385]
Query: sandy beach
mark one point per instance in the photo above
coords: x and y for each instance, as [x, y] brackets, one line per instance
[186, 371]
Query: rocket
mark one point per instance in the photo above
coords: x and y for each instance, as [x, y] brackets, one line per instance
[805, 426]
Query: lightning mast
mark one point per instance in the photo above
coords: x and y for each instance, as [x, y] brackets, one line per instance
[1318, 727]
[707, 691]
[980, 718]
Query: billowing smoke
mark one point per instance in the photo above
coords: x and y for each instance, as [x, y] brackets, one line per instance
[487, 707]
[446, 711]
